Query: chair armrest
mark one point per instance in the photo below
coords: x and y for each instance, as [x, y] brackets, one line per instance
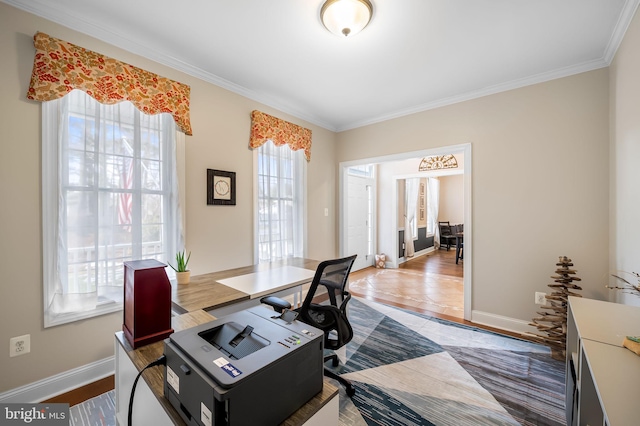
[276, 303]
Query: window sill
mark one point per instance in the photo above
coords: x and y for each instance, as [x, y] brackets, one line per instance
[103, 308]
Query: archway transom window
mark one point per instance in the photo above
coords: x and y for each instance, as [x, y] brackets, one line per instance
[438, 162]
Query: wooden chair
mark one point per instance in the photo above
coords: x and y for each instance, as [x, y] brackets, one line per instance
[446, 235]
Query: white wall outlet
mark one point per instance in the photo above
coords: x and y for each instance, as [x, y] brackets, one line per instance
[20, 345]
[541, 298]
[326, 211]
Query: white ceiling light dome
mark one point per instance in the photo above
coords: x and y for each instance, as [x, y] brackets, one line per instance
[346, 18]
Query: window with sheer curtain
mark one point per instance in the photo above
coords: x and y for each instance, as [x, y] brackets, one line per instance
[281, 177]
[110, 195]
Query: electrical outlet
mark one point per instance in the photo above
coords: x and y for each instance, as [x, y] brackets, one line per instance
[541, 298]
[20, 345]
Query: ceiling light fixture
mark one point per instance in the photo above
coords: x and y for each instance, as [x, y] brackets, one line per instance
[346, 18]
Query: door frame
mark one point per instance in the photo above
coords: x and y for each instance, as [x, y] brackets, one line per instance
[468, 208]
[374, 220]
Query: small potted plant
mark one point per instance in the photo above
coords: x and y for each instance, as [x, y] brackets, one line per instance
[183, 275]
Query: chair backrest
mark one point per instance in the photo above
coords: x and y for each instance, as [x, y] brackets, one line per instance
[333, 276]
[445, 228]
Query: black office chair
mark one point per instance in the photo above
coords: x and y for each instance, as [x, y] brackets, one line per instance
[332, 318]
[446, 235]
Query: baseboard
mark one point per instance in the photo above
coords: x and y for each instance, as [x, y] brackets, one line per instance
[504, 323]
[416, 255]
[60, 383]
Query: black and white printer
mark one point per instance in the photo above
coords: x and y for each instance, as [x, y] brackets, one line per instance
[248, 368]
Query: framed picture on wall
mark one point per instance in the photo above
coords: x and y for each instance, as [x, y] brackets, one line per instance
[221, 188]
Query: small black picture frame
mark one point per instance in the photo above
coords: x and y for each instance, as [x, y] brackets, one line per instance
[221, 188]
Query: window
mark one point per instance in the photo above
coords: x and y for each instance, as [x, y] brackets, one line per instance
[365, 170]
[281, 179]
[109, 196]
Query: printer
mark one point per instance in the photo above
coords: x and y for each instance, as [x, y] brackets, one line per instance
[253, 367]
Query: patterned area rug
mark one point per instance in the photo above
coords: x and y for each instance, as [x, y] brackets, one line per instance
[412, 369]
[98, 411]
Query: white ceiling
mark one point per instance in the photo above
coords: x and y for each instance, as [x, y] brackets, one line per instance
[414, 55]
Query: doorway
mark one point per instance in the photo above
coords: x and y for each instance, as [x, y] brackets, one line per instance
[361, 217]
[387, 241]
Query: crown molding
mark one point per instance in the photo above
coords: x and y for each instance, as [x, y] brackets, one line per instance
[624, 20]
[491, 90]
[46, 11]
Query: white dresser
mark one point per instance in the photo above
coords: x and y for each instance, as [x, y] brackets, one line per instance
[602, 377]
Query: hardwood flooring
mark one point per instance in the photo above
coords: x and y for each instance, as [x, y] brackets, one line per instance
[81, 394]
[430, 284]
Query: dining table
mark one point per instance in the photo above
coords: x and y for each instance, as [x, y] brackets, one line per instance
[459, 246]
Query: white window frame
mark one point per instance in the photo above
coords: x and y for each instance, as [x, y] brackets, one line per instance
[301, 191]
[50, 180]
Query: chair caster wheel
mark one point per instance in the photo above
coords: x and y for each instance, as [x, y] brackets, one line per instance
[350, 391]
[335, 362]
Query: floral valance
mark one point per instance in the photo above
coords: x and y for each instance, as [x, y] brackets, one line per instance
[59, 67]
[266, 127]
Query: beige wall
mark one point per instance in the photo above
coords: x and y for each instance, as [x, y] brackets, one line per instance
[219, 237]
[540, 187]
[539, 183]
[625, 158]
[451, 199]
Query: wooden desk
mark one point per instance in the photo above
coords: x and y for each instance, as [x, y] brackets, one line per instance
[150, 395]
[207, 292]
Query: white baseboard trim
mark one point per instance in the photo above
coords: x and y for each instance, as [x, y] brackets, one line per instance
[503, 323]
[416, 255]
[60, 383]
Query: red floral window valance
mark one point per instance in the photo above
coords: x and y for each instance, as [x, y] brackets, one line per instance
[59, 67]
[266, 127]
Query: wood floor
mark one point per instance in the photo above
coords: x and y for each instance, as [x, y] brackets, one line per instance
[430, 284]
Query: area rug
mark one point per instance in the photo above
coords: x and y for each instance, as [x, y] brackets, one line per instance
[412, 369]
[98, 411]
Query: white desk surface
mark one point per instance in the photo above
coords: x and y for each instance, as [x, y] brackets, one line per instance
[616, 373]
[269, 281]
[605, 322]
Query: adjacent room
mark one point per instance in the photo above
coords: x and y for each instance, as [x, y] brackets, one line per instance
[436, 222]
[478, 158]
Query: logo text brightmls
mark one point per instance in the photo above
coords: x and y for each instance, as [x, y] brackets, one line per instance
[27, 415]
[36, 414]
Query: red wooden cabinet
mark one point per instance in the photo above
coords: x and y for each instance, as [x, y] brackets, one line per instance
[147, 302]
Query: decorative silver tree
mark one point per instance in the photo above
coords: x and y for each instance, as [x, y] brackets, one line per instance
[553, 321]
